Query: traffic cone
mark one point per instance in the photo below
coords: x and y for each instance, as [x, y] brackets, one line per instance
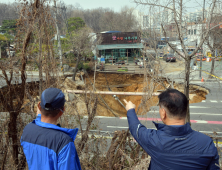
[202, 80]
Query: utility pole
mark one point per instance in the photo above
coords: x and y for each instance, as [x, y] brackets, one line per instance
[58, 36]
[202, 38]
[40, 54]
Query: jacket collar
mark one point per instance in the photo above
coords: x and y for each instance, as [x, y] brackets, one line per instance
[71, 132]
[174, 131]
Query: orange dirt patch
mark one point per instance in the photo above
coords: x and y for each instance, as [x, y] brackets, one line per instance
[135, 83]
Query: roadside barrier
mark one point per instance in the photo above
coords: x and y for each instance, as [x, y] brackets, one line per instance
[212, 75]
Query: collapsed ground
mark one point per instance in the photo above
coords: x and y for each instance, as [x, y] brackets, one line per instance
[118, 83]
[133, 83]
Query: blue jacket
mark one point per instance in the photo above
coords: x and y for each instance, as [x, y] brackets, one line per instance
[49, 147]
[175, 148]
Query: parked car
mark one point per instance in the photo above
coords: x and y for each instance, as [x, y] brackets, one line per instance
[169, 57]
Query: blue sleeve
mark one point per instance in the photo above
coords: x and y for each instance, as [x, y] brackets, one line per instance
[145, 137]
[68, 158]
[214, 163]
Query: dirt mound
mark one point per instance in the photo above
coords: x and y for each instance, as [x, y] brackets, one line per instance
[133, 83]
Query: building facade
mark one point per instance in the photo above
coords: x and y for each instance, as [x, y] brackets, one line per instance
[120, 45]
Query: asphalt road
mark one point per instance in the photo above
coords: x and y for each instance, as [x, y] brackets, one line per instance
[207, 65]
[206, 116]
[18, 79]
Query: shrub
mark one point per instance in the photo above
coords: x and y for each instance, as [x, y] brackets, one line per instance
[80, 65]
[87, 67]
[71, 56]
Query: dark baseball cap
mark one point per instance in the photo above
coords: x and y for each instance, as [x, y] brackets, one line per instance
[52, 99]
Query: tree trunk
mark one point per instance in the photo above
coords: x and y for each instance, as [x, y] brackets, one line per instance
[58, 36]
[47, 69]
[12, 132]
[212, 67]
[76, 67]
[47, 59]
[187, 85]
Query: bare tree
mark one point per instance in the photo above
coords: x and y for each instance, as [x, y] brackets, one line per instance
[103, 19]
[177, 10]
[58, 35]
[26, 22]
[9, 11]
[214, 41]
[80, 40]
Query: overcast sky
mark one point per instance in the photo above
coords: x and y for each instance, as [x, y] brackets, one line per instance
[91, 4]
[116, 5]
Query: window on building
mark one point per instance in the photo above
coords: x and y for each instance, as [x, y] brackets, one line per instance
[191, 32]
[195, 32]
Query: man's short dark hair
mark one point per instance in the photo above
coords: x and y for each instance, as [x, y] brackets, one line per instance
[175, 102]
[50, 113]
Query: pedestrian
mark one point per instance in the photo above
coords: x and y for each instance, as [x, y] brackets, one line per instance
[45, 144]
[174, 145]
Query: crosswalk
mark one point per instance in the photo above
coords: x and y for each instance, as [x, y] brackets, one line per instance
[192, 121]
[205, 118]
[211, 101]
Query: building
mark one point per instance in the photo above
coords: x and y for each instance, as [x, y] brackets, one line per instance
[145, 21]
[155, 21]
[119, 45]
[194, 32]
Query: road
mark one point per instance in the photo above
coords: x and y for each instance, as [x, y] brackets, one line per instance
[207, 65]
[30, 78]
[206, 116]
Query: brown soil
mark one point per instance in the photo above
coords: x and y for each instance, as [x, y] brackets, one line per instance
[132, 82]
[136, 85]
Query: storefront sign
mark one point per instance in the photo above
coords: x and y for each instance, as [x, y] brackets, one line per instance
[123, 38]
[120, 38]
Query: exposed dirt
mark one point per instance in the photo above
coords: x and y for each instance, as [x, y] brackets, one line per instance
[124, 83]
[134, 83]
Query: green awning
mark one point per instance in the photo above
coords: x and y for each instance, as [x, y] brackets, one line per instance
[119, 46]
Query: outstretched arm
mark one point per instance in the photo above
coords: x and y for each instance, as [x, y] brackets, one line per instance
[140, 133]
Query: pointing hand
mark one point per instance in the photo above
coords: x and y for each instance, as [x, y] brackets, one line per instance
[129, 105]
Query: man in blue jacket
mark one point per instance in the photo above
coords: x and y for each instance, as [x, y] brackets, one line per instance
[46, 145]
[174, 145]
